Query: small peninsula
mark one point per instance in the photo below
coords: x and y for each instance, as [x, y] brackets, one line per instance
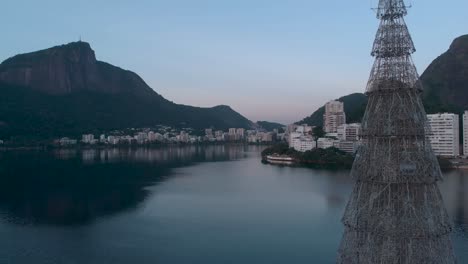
[331, 158]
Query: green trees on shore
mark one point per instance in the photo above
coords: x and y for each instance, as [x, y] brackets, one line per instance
[321, 158]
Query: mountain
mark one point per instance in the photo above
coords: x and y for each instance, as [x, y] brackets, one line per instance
[445, 84]
[269, 126]
[70, 68]
[65, 90]
[446, 79]
[354, 104]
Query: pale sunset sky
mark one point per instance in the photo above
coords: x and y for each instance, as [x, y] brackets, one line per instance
[272, 60]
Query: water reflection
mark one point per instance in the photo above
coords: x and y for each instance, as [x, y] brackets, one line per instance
[170, 206]
[74, 187]
[155, 155]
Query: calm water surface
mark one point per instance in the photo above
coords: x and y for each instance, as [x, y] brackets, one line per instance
[214, 204]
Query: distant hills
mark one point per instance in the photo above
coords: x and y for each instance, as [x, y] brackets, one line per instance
[270, 126]
[445, 87]
[64, 90]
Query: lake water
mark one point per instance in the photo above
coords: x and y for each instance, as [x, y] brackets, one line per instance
[216, 204]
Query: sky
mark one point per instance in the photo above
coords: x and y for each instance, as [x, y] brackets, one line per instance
[272, 60]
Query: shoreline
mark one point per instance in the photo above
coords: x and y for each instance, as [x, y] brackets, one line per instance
[306, 163]
[97, 146]
[322, 164]
[333, 158]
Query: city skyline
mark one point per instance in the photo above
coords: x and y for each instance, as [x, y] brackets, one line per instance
[209, 53]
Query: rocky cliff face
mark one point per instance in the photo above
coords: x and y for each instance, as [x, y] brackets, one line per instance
[67, 69]
[65, 91]
[446, 79]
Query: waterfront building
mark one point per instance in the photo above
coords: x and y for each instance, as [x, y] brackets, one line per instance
[183, 137]
[159, 137]
[293, 136]
[348, 146]
[334, 116]
[250, 132]
[444, 134]
[88, 139]
[141, 137]
[102, 138]
[219, 133]
[128, 139]
[261, 136]
[232, 134]
[240, 133]
[294, 140]
[324, 143]
[252, 139]
[152, 136]
[302, 140]
[232, 131]
[349, 132]
[266, 137]
[209, 132]
[465, 133]
[331, 135]
[113, 140]
[303, 143]
[1, 142]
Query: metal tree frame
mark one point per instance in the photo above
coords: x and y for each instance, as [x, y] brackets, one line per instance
[395, 213]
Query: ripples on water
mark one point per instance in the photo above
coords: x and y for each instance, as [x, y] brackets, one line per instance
[214, 204]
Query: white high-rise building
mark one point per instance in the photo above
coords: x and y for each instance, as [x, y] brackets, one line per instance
[209, 132]
[219, 133]
[445, 134]
[183, 137]
[334, 116]
[141, 137]
[349, 132]
[232, 131]
[294, 136]
[303, 143]
[349, 146]
[301, 140]
[113, 140]
[324, 143]
[465, 133]
[240, 133]
[151, 136]
[88, 139]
